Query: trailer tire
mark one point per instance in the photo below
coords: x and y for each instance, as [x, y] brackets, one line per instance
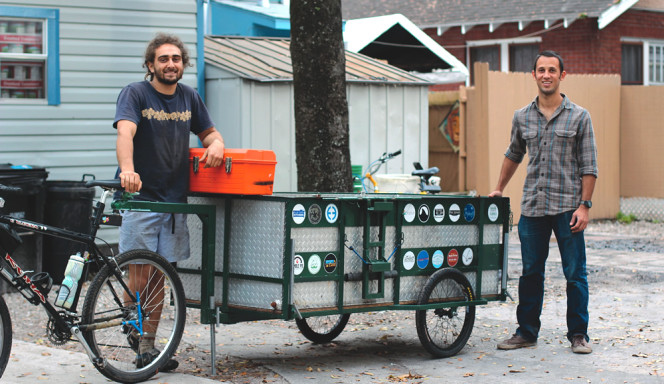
[444, 331]
[322, 329]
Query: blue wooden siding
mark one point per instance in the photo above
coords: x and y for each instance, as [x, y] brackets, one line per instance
[101, 50]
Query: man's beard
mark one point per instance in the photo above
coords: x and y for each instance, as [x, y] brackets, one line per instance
[162, 79]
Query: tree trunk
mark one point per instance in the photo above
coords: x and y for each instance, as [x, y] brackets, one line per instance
[321, 109]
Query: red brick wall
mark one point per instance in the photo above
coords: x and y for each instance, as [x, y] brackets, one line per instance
[584, 47]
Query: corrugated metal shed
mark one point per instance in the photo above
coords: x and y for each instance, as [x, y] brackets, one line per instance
[268, 59]
[249, 93]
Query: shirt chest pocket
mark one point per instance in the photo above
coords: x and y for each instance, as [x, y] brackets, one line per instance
[565, 136]
[530, 137]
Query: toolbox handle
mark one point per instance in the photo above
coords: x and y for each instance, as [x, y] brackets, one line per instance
[228, 165]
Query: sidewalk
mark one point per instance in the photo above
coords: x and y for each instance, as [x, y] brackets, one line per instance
[30, 363]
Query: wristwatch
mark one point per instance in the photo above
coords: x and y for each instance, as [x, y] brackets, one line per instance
[587, 203]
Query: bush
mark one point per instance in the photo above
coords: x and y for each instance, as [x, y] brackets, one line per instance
[625, 219]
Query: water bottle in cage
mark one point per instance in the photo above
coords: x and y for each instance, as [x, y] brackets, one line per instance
[69, 285]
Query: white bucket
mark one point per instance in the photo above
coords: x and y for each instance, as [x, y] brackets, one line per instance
[399, 183]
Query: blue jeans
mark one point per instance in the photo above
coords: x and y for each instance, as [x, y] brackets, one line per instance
[534, 233]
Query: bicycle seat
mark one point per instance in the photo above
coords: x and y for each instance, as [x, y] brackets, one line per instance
[105, 184]
[426, 172]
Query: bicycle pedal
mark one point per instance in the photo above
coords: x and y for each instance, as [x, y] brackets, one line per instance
[43, 282]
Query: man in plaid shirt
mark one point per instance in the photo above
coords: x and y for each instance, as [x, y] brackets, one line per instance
[562, 168]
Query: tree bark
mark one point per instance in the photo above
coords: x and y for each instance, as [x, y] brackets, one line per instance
[321, 108]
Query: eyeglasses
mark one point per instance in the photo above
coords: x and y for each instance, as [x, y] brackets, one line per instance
[165, 59]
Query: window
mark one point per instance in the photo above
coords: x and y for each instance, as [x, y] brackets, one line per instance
[656, 64]
[503, 55]
[29, 61]
[522, 57]
[632, 64]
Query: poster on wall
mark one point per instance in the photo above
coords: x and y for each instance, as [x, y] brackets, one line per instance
[450, 126]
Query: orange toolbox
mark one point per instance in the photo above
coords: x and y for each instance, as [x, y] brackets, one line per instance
[243, 172]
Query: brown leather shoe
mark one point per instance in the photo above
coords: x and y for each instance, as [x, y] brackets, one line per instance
[516, 342]
[580, 345]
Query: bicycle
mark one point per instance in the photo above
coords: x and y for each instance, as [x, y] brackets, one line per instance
[115, 315]
[426, 176]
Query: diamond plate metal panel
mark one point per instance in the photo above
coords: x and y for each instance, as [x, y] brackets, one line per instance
[319, 294]
[353, 293]
[192, 287]
[411, 287]
[313, 239]
[257, 244]
[491, 280]
[493, 234]
[440, 236]
[196, 231]
[253, 294]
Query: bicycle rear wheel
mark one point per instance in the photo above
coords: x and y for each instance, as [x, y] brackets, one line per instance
[5, 335]
[108, 311]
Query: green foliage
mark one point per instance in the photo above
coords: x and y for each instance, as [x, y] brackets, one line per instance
[625, 219]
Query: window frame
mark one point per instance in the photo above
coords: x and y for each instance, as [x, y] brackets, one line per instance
[504, 45]
[51, 19]
[647, 43]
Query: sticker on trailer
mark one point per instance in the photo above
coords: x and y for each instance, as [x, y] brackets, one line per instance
[455, 212]
[315, 214]
[330, 263]
[438, 259]
[467, 256]
[408, 261]
[298, 214]
[298, 264]
[423, 213]
[409, 213]
[469, 212]
[423, 259]
[453, 258]
[438, 213]
[331, 213]
[314, 264]
[493, 212]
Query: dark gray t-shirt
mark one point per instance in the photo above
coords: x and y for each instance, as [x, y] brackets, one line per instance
[161, 143]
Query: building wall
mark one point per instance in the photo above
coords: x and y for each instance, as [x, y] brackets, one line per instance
[584, 47]
[101, 49]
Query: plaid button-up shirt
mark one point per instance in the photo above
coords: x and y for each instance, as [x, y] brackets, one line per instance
[560, 152]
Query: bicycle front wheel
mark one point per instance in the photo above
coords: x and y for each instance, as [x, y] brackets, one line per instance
[135, 334]
[5, 335]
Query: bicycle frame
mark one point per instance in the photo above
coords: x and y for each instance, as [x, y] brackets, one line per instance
[17, 277]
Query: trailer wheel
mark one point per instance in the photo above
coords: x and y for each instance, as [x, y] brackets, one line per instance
[322, 329]
[444, 331]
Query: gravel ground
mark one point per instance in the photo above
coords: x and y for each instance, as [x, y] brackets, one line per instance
[30, 321]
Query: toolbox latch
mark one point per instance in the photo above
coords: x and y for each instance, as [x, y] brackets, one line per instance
[228, 164]
[196, 162]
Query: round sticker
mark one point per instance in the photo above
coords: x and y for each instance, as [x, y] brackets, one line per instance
[408, 261]
[298, 265]
[469, 212]
[423, 259]
[330, 262]
[438, 213]
[409, 213]
[314, 264]
[437, 259]
[423, 213]
[331, 213]
[455, 212]
[493, 212]
[315, 214]
[452, 258]
[467, 256]
[298, 214]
